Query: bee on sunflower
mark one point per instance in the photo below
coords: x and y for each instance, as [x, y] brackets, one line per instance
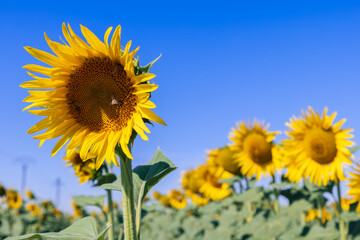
[95, 100]
[316, 148]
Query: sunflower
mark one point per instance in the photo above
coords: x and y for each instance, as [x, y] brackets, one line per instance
[30, 194]
[177, 199]
[56, 213]
[85, 170]
[33, 209]
[14, 199]
[315, 214]
[191, 183]
[354, 186]
[255, 151]
[316, 148]
[222, 163]
[163, 199]
[95, 99]
[77, 210]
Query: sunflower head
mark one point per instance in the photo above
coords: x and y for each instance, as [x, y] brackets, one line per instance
[47, 204]
[354, 186]
[255, 152]
[95, 100]
[222, 163]
[84, 169]
[57, 213]
[177, 199]
[316, 148]
[33, 209]
[29, 194]
[77, 210]
[315, 214]
[163, 199]
[14, 199]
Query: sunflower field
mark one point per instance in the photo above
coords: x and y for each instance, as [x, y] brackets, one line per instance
[94, 99]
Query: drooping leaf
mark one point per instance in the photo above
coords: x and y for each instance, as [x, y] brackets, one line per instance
[83, 229]
[105, 179]
[83, 201]
[116, 186]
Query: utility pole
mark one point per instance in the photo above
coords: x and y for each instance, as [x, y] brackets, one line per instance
[58, 185]
[24, 161]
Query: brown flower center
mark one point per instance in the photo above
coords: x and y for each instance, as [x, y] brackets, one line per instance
[100, 95]
[320, 145]
[225, 159]
[259, 150]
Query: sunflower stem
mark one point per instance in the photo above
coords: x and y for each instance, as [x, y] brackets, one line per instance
[276, 192]
[128, 199]
[110, 217]
[342, 225]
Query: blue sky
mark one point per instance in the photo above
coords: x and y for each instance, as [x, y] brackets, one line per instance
[221, 63]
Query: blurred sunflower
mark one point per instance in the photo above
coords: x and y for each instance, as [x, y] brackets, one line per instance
[354, 186]
[315, 214]
[222, 163]
[13, 199]
[85, 170]
[177, 199]
[163, 199]
[33, 209]
[316, 148]
[57, 213]
[77, 210]
[29, 194]
[191, 183]
[96, 101]
[255, 152]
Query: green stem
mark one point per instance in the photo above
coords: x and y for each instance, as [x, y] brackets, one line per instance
[128, 199]
[276, 192]
[110, 217]
[343, 226]
[319, 206]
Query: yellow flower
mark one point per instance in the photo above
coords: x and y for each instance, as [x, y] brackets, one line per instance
[96, 99]
[85, 170]
[316, 148]
[56, 213]
[33, 209]
[29, 194]
[163, 199]
[177, 199]
[254, 149]
[77, 210]
[354, 186]
[222, 163]
[315, 214]
[47, 204]
[13, 199]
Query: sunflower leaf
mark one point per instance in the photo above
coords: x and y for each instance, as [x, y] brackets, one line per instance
[83, 229]
[146, 176]
[116, 186]
[83, 201]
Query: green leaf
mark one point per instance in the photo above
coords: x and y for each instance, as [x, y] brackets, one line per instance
[146, 176]
[350, 216]
[83, 201]
[105, 179]
[116, 186]
[354, 149]
[83, 229]
[146, 69]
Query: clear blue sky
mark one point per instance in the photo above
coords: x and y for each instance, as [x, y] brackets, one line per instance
[222, 62]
